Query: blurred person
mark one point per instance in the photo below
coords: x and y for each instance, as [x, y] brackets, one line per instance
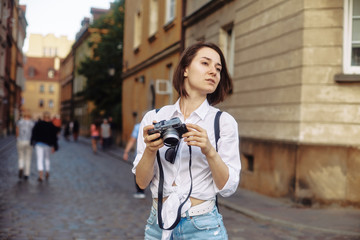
[113, 130]
[75, 130]
[67, 130]
[95, 135]
[57, 123]
[24, 129]
[44, 138]
[140, 193]
[105, 133]
[185, 179]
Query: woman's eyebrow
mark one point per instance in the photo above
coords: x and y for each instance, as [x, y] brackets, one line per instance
[209, 59]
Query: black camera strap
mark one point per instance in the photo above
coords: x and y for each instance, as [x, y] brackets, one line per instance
[160, 194]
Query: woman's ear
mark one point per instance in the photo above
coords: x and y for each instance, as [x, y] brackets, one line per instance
[186, 72]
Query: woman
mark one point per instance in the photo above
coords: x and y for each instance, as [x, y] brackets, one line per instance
[95, 135]
[44, 137]
[201, 80]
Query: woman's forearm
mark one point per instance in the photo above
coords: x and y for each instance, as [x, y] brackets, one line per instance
[219, 170]
[145, 169]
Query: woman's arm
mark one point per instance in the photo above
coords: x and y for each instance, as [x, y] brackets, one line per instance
[145, 167]
[197, 136]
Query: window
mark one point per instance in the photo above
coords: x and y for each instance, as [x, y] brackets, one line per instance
[51, 103]
[137, 30]
[51, 89]
[170, 10]
[153, 23]
[51, 73]
[41, 103]
[351, 56]
[42, 88]
[227, 45]
[31, 71]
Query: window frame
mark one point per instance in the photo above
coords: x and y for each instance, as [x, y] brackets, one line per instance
[347, 39]
[153, 17]
[42, 88]
[170, 8]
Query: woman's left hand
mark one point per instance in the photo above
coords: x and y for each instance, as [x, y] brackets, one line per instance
[197, 136]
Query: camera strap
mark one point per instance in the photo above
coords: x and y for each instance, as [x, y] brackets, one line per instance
[160, 194]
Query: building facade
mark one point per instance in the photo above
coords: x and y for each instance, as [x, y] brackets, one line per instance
[66, 75]
[152, 47]
[12, 34]
[296, 71]
[42, 87]
[48, 46]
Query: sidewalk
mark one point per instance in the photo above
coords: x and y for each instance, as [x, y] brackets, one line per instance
[337, 220]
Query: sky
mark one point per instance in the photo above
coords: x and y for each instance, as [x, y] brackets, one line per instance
[60, 17]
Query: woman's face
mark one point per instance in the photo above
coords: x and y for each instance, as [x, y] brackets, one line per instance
[202, 76]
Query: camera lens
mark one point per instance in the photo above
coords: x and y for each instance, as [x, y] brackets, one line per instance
[171, 137]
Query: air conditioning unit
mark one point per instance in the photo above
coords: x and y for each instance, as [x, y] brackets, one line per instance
[163, 87]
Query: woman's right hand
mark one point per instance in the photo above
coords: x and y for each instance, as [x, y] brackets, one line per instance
[153, 142]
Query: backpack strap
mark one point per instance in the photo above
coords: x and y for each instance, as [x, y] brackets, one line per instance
[217, 136]
[217, 128]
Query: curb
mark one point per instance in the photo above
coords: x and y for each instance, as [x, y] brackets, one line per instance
[259, 216]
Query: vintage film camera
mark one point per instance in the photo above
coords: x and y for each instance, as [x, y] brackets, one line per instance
[171, 131]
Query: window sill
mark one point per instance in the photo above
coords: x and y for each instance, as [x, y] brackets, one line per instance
[169, 25]
[152, 38]
[347, 78]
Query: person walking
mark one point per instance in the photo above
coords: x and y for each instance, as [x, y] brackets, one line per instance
[105, 132]
[95, 135]
[140, 193]
[185, 179]
[23, 137]
[44, 138]
[75, 130]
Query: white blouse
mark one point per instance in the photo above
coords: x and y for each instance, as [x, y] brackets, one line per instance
[204, 187]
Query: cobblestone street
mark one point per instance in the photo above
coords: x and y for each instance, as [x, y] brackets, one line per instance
[90, 197]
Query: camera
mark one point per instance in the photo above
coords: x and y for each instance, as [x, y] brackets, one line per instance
[170, 131]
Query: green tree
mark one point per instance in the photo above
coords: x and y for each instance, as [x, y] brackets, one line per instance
[103, 70]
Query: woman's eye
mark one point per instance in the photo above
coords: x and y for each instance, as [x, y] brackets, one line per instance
[218, 69]
[205, 63]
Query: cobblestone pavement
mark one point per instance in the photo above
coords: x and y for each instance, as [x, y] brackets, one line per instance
[90, 197]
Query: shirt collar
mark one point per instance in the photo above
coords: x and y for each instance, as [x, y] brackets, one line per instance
[201, 111]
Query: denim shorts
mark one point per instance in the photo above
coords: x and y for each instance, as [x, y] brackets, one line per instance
[208, 226]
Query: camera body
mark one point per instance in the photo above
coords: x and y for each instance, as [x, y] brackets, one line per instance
[170, 131]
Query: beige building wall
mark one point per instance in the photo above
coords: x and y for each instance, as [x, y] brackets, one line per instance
[48, 46]
[153, 59]
[299, 128]
[32, 97]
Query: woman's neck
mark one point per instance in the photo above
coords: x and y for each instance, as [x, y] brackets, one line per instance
[190, 104]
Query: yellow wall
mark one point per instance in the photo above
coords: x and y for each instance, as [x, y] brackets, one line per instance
[32, 96]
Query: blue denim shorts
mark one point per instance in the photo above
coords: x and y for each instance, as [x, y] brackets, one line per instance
[208, 226]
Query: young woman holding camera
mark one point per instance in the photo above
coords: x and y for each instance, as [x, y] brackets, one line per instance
[184, 180]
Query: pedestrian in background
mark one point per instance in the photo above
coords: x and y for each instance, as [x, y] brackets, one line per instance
[113, 131]
[57, 123]
[95, 135]
[140, 193]
[44, 138]
[75, 130]
[185, 179]
[105, 132]
[67, 130]
[24, 129]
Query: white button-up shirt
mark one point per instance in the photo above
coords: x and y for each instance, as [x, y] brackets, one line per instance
[204, 187]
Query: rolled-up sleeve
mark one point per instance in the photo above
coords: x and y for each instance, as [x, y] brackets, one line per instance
[228, 149]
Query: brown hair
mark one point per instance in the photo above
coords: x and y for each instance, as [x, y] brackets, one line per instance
[225, 86]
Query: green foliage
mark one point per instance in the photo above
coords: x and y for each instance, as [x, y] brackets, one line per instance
[104, 88]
